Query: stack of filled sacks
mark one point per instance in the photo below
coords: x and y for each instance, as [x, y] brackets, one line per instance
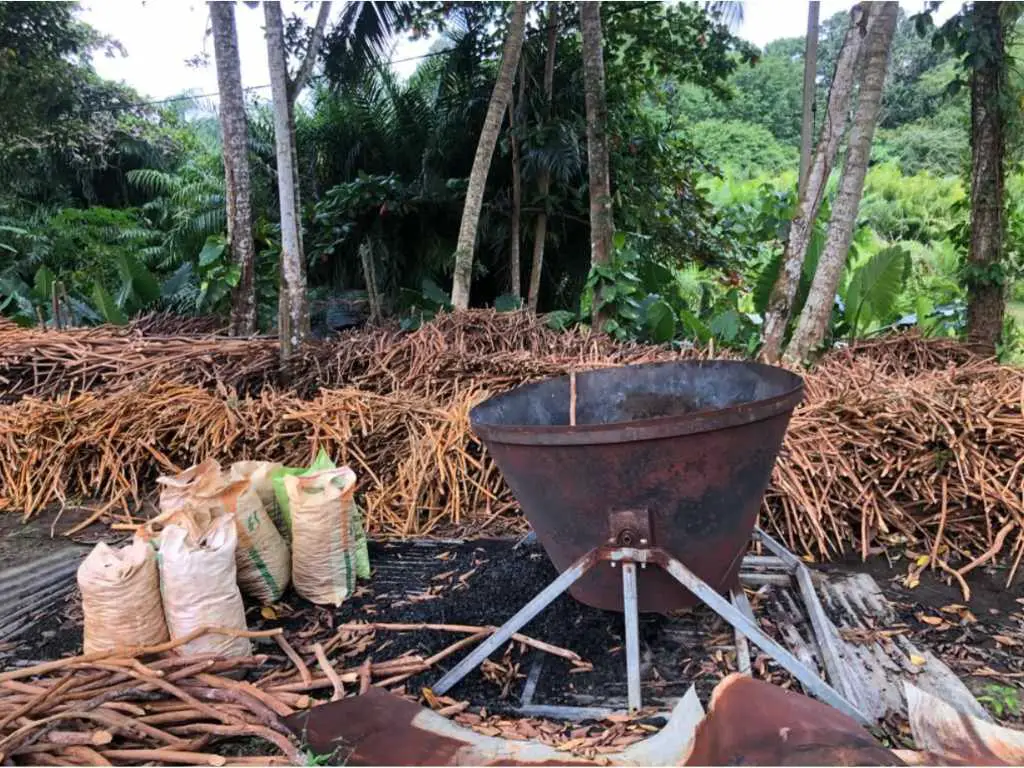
[214, 540]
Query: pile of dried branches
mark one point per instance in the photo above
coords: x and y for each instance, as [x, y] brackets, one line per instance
[141, 706]
[899, 441]
[499, 349]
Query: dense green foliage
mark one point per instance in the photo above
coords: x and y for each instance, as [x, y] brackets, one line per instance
[115, 208]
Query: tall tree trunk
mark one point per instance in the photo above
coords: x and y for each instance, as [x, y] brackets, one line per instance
[500, 97]
[810, 330]
[601, 223]
[293, 306]
[235, 135]
[780, 303]
[540, 228]
[986, 300]
[515, 277]
[810, 78]
[293, 314]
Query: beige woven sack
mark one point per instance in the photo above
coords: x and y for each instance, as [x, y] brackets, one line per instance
[178, 489]
[199, 588]
[121, 597]
[323, 547]
[262, 556]
[258, 475]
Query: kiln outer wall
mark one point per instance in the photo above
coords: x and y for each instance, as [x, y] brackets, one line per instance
[694, 443]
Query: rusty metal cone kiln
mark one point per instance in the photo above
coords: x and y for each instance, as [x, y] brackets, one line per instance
[660, 465]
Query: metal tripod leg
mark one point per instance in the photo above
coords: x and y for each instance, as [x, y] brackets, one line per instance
[808, 678]
[526, 614]
[630, 609]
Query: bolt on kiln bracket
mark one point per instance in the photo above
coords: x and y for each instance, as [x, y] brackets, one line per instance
[631, 544]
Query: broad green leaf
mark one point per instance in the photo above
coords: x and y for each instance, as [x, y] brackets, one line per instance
[726, 326]
[660, 321]
[142, 286]
[765, 283]
[177, 281]
[44, 281]
[107, 307]
[508, 303]
[433, 292]
[694, 327]
[560, 319]
[618, 240]
[923, 307]
[212, 250]
[204, 288]
[874, 287]
[654, 276]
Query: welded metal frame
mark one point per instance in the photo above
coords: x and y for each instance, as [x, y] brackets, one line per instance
[736, 612]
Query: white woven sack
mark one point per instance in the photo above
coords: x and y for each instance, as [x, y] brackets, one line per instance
[199, 588]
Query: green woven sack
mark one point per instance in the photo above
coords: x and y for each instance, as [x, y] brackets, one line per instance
[322, 462]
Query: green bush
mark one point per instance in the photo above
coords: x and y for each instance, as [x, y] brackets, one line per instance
[743, 147]
[921, 207]
[918, 147]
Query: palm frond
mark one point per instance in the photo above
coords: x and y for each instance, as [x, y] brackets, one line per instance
[362, 37]
[153, 182]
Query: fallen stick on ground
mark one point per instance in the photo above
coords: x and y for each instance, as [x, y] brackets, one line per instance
[457, 646]
[80, 738]
[294, 657]
[164, 756]
[39, 700]
[332, 675]
[365, 676]
[991, 552]
[51, 666]
[86, 755]
[279, 708]
[467, 629]
[277, 739]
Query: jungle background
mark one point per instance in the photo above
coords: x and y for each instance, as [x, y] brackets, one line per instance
[112, 206]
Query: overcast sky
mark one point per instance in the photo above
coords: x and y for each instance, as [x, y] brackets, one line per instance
[161, 35]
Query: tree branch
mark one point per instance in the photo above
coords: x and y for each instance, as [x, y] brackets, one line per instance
[306, 67]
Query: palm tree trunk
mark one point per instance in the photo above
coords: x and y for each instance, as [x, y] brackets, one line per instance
[293, 315]
[986, 300]
[601, 223]
[235, 139]
[780, 303]
[500, 97]
[810, 74]
[515, 277]
[540, 230]
[810, 330]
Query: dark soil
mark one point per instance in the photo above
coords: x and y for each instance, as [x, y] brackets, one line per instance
[691, 647]
[502, 581]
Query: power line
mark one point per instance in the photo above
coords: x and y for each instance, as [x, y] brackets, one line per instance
[196, 97]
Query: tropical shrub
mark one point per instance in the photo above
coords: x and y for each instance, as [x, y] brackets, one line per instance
[743, 148]
[922, 207]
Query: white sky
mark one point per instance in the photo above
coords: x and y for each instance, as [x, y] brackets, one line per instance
[160, 35]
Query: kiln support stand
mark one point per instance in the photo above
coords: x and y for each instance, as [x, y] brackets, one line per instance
[738, 615]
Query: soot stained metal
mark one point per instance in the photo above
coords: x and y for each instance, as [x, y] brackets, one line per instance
[670, 455]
